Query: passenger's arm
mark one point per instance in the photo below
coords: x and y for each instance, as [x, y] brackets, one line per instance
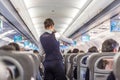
[63, 38]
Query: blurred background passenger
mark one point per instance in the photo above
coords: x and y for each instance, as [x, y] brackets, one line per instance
[17, 47]
[75, 50]
[7, 48]
[69, 51]
[119, 49]
[81, 51]
[92, 49]
[36, 52]
[110, 45]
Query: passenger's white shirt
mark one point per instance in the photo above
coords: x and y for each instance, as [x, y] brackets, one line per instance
[58, 37]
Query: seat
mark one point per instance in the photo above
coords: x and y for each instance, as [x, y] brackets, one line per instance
[26, 62]
[116, 66]
[36, 61]
[71, 69]
[67, 65]
[77, 60]
[16, 65]
[83, 67]
[66, 61]
[96, 73]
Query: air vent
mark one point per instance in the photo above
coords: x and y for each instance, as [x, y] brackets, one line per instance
[103, 28]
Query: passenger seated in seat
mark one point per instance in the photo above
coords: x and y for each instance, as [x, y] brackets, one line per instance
[10, 48]
[75, 50]
[36, 52]
[110, 45]
[17, 47]
[7, 48]
[70, 51]
[81, 51]
[93, 49]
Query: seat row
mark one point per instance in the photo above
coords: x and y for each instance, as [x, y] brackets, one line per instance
[95, 66]
[26, 64]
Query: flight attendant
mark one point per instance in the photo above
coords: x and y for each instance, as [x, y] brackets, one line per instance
[53, 64]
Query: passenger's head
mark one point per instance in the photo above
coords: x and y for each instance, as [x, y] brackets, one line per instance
[119, 49]
[92, 49]
[17, 47]
[7, 48]
[110, 45]
[36, 52]
[69, 51]
[81, 51]
[75, 50]
[49, 24]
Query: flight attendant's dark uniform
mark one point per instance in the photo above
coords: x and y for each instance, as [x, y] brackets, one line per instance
[53, 64]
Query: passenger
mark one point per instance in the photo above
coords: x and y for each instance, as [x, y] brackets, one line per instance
[10, 48]
[75, 50]
[70, 51]
[119, 49]
[4, 72]
[36, 52]
[7, 48]
[81, 51]
[110, 45]
[53, 64]
[93, 49]
[17, 47]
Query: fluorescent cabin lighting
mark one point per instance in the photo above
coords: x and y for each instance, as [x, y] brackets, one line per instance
[82, 3]
[5, 33]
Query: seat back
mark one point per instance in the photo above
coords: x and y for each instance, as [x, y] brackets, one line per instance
[26, 62]
[71, 69]
[66, 62]
[16, 65]
[36, 61]
[95, 73]
[116, 66]
[83, 66]
[77, 63]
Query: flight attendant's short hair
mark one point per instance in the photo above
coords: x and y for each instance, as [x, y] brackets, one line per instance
[48, 22]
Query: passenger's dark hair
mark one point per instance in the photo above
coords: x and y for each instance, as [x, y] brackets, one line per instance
[7, 48]
[35, 51]
[69, 51]
[81, 51]
[92, 49]
[109, 45]
[17, 47]
[48, 22]
[75, 50]
[119, 49]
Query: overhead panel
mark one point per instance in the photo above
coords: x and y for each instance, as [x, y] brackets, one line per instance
[93, 9]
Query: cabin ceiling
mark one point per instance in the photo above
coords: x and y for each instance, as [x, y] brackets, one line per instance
[68, 15]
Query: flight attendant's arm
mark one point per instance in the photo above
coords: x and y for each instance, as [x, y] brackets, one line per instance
[63, 38]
